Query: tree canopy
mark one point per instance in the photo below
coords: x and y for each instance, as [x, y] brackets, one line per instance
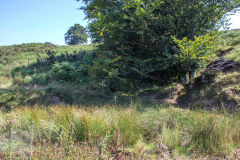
[139, 33]
[76, 35]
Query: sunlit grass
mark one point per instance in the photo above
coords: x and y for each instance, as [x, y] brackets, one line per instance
[182, 131]
[235, 55]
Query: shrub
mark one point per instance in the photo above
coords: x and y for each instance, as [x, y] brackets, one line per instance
[64, 71]
[194, 53]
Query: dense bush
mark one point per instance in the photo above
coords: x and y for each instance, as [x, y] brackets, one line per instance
[64, 71]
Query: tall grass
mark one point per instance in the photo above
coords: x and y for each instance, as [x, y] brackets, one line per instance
[182, 131]
[235, 54]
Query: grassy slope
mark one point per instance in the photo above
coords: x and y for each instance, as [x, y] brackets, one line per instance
[35, 81]
[20, 71]
[146, 130]
[232, 40]
[224, 89]
[235, 54]
[19, 55]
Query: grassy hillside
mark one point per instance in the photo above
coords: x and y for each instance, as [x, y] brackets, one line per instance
[43, 73]
[53, 107]
[46, 74]
[22, 55]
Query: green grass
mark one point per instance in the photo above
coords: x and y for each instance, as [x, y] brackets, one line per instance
[185, 133]
[20, 71]
[231, 39]
[235, 54]
[22, 55]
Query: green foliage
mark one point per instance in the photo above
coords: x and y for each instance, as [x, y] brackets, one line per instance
[28, 55]
[18, 97]
[62, 67]
[63, 71]
[138, 33]
[76, 35]
[25, 48]
[106, 71]
[194, 53]
[10, 98]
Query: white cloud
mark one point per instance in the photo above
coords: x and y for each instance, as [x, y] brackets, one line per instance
[235, 21]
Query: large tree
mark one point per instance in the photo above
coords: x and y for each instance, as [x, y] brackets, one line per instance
[76, 35]
[139, 32]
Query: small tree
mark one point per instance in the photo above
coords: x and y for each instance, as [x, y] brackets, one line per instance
[76, 35]
[194, 53]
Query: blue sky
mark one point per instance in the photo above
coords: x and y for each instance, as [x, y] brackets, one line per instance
[26, 21]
